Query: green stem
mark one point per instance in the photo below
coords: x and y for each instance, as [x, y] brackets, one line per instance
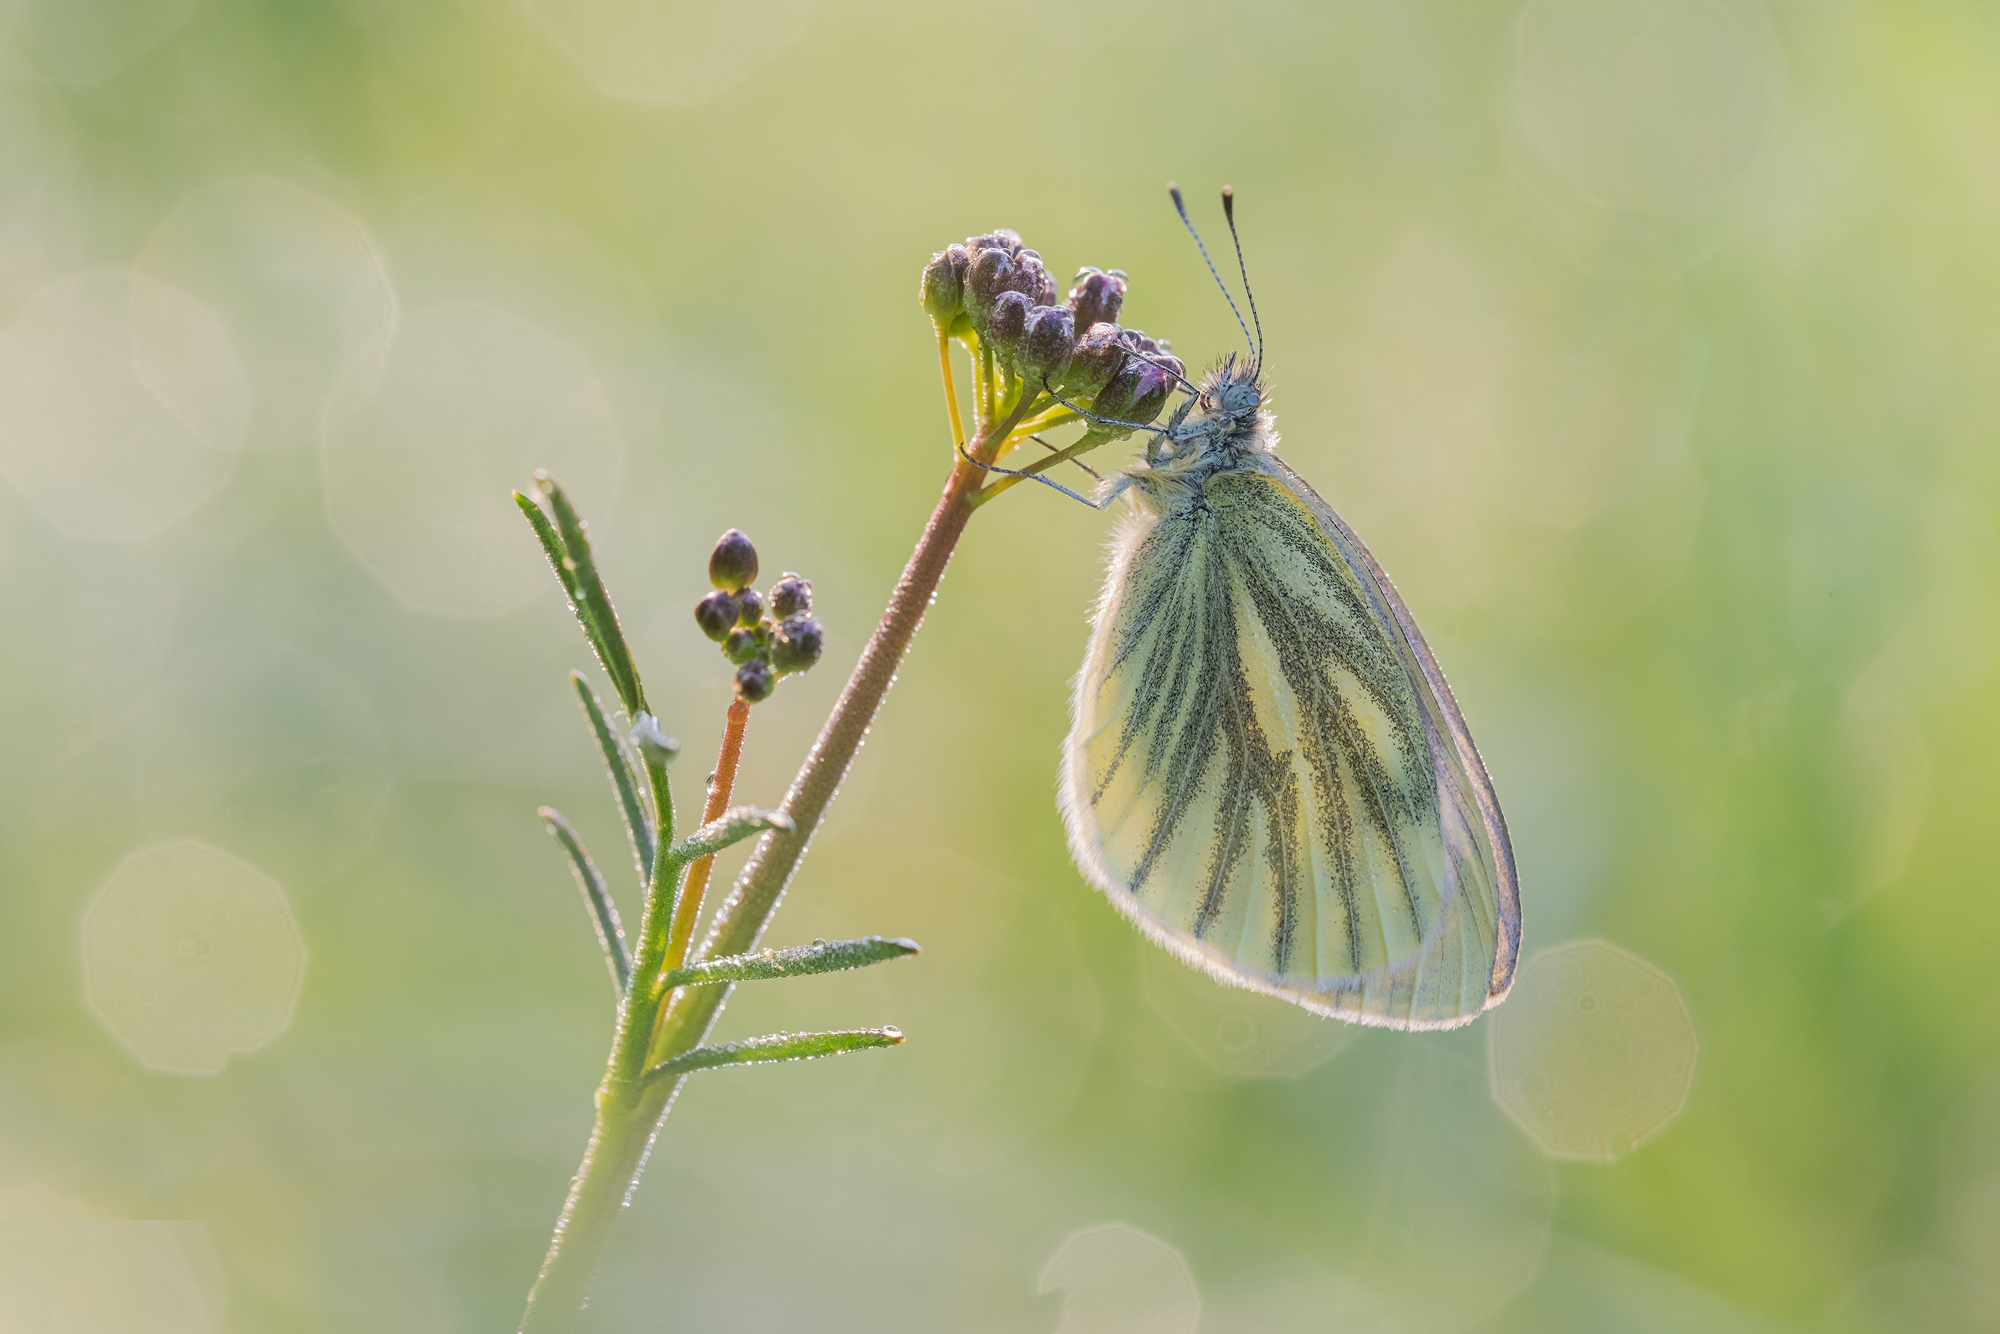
[627, 1116]
[629, 1108]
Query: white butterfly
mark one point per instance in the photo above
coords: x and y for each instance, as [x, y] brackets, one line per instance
[1265, 768]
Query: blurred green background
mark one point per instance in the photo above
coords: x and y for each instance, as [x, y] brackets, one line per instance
[1654, 345]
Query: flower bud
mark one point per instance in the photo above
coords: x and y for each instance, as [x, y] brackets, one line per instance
[1007, 323]
[749, 607]
[797, 643]
[715, 614]
[740, 646]
[1150, 395]
[1100, 354]
[1049, 345]
[990, 273]
[1006, 238]
[995, 272]
[754, 680]
[941, 292]
[733, 563]
[1097, 298]
[1140, 388]
[791, 595]
[1037, 283]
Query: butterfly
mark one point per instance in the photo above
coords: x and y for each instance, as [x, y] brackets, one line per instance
[1265, 769]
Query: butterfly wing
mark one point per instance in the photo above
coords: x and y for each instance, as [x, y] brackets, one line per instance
[1267, 772]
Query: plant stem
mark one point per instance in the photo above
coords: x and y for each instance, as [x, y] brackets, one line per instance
[629, 1109]
[950, 389]
[627, 1116]
[686, 913]
[754, 898]
[629, 1106]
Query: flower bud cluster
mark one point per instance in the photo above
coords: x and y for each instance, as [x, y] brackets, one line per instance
[766, 635]
[996, 289]
[1122, 374]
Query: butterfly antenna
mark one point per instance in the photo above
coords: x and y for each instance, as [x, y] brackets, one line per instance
[1229, 212]
[1030, 476]
[1094, 418]
[1174, 190]
[1186, 384]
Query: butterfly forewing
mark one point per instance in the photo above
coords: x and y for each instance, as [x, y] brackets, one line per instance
[1267, 772]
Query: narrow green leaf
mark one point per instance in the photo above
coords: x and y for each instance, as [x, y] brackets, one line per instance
[603, 912]
[638, 825]
[776, 1047]
[551, 544]
[593, 605]
[732, 826]
[822, 956]
[567, 569]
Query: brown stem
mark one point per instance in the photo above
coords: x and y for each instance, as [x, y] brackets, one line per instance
[682, 933]
[754, 898]
[630, 1109]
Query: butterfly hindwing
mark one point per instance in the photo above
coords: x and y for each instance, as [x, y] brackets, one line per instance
[1268, 773]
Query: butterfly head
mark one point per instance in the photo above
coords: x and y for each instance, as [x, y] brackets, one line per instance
[1227, 420]
[1233, 394]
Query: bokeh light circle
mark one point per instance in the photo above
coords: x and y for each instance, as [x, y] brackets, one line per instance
[191, 956]
[122, 405]
[671, 52]
[1116, 1279]
[1593, 1052]
[110, 1275]
[417, 472]
[1237, 1032]
[297, 281]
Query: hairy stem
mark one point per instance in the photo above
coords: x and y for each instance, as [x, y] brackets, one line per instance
[627, 1116]
[689, 908]
[630, 1107]
[754, 898]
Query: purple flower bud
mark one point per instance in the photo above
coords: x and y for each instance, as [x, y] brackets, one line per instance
[1097, 298]
[1049, 345]
[791, 595]
[1037, 283]
[990, 273]
[733, 563]
[797, 643]
[754, 680]
[993, 273]
[740, 646]
[1140, 388]
[1007, 323]
[715, 614]
[1100, 354]
[1006, 238]
[749, 607]
[1150, 394]
[942, 291]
